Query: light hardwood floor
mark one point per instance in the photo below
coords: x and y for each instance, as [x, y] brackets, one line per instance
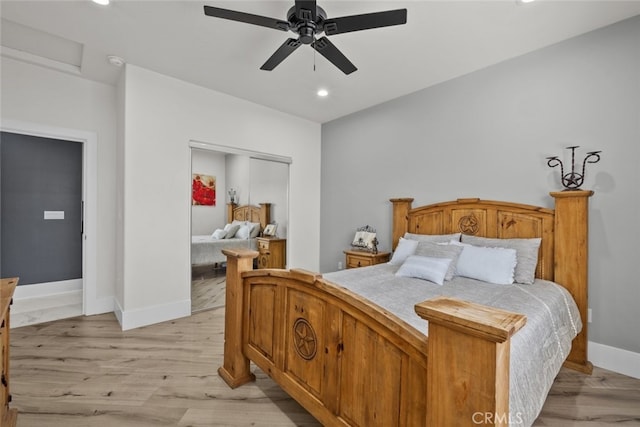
[604, 398]
[85, 371]
[207, 288]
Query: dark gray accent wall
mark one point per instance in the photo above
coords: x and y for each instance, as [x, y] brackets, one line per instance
[38, 175]
[486, 134]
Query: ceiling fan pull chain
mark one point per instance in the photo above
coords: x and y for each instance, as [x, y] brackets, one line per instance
[314, 54]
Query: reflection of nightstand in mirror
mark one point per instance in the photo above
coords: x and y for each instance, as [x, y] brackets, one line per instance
[357, 259]
[272, 252]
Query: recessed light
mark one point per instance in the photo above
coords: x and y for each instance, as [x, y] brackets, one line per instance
[524, 1]
[322, 93]
[101, 2]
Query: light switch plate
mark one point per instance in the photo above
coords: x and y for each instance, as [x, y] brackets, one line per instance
[53, 214]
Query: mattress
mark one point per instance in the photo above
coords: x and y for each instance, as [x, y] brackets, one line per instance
[206, 250]
[538, 350]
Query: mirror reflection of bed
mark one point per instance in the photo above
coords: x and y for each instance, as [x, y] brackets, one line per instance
[244, 224]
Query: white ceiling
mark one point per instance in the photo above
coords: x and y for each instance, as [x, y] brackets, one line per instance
[441, 40]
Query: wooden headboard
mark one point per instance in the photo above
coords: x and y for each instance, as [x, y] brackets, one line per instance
[563, 250]
[261, 214]
[484, 218]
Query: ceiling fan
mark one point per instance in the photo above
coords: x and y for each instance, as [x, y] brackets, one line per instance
[308, 20]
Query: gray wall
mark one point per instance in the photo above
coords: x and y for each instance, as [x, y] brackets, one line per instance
[486, 135]
[39, 175]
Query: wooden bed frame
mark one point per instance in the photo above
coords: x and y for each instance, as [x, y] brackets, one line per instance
[261, 214]
[350, 363]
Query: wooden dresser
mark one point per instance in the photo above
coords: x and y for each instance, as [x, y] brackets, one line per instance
[355, 259]
[272, 252]
[8, 416]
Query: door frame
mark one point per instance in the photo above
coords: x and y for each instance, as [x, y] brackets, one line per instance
[89, 142]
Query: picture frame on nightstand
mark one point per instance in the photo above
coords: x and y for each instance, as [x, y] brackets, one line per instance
[365, 239]
[270, 230]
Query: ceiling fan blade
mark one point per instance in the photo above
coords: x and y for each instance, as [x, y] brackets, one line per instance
[329, 51]
[281, 54]
[306, 10]
[365, 21]
[247, 18]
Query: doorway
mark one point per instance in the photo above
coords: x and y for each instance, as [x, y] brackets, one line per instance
[255, 178]
[55, 285]
[41, 205]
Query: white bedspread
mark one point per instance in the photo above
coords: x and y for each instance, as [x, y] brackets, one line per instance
[206, 250]
[537, 350]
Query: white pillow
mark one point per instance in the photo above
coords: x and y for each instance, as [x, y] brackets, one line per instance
[404, 249]
[219, 234]
[493, 265]
[231, 230]
[254, 229]
[526, 254]
[432, 237]
[427, 268]
[243, 232]
[441, 250]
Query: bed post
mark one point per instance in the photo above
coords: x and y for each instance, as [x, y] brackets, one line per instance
[468, 362]
[401, 208]
[235, 369]
[571, 261]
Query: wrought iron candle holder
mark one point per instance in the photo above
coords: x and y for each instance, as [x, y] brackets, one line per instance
[573, 180]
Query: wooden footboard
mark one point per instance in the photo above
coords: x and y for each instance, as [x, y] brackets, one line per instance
[350, 363]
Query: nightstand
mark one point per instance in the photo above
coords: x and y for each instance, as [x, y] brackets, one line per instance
[357, 259]
[272, 252]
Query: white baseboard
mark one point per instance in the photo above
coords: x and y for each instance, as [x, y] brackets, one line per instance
[615, 359]
[44, 302]
[149, 315]
[99, 306]
[36, 309]
[38, 290]
[117, 311]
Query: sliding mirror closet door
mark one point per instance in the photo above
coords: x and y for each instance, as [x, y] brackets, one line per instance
[233, 192]
[270, 184]
[210, 212]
